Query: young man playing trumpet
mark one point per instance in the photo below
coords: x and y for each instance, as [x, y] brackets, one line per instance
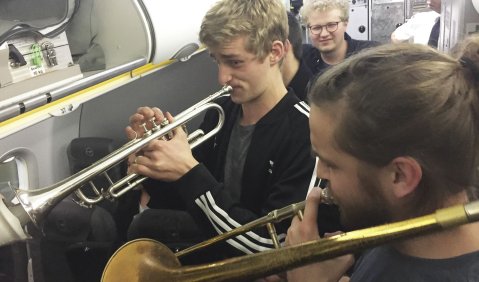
[259, 161]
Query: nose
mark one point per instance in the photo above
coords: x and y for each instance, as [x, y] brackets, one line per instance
[323, 32]
[224, 74]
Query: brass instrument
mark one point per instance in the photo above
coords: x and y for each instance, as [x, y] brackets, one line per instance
[268, 220]
[34, 205]
[149, 260]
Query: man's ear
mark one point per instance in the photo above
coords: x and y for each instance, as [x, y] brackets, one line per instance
[278, 51]
[406, 173]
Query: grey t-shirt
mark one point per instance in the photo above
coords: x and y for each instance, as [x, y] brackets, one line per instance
[386, 264]
[235, 157]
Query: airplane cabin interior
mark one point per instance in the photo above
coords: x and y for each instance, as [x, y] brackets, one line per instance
[71, 74]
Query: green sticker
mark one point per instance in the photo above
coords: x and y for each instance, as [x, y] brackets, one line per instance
[37, 57]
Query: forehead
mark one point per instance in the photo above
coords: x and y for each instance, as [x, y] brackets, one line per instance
[322, 125]
[323, 122]
[324, 17]
[230, 49]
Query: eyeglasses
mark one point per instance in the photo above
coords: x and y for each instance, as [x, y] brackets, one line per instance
[330, 27]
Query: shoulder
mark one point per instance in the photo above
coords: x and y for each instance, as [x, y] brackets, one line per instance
[309, 51]
[363, 44]
[298, 109]
[298, 119]
[289, 112]
[360, 44]
[355, 45]
[301, 109]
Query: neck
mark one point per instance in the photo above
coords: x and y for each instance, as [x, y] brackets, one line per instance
[447, 243]
[289, 69]
[254, 110]
[444, 244]
[336, 56]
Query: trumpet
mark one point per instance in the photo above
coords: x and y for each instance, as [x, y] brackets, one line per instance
[34, 205]
[149, 260]
[132, 180]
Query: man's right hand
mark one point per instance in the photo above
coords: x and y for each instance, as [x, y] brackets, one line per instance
[306, 230]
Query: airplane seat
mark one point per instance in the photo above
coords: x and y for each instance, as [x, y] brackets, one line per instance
[81, 239]
[83, 152]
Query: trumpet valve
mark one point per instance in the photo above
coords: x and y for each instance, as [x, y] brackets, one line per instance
[155, 126]
[147, 132]
[164, 123]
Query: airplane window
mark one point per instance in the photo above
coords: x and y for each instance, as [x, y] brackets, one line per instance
[9, 178]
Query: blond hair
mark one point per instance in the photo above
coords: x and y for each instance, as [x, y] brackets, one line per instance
[261, 21]
[310, 6]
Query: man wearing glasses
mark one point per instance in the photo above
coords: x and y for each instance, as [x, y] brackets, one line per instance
[327, 21]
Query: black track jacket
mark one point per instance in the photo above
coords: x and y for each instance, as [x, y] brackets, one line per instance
[279, 169]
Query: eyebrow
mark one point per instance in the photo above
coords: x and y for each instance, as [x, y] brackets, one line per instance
[311, 25]
[226, 56]
[322, 159]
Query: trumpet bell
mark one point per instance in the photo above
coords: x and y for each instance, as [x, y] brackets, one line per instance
[34, 205]
[10, 225]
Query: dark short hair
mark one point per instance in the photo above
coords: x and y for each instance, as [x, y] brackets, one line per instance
[295, 36]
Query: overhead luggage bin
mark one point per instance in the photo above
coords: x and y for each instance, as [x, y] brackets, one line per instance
[175, 27]
[112, 42]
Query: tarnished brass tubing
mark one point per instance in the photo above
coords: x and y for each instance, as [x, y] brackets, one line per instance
[148, 260]
[272, 217]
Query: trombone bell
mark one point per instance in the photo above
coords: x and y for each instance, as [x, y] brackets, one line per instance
[135, 254]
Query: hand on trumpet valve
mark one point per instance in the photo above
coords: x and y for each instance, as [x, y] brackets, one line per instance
[165, 160]
[143, 121]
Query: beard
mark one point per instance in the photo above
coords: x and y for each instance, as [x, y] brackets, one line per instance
[369, 209]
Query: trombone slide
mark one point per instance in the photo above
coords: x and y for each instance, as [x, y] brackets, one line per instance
[148, 260]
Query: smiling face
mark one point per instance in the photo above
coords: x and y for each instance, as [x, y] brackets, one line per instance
[355, 186]
[327, 41]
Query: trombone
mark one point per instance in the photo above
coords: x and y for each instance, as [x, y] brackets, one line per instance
[34, 205]
[149, 260]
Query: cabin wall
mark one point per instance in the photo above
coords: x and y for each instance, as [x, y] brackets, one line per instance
[45, 144]
[174, 89]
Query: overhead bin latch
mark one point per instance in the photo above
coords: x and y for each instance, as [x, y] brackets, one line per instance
[64, 110]
[16, 58]
[50, 53]
[185, 52]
